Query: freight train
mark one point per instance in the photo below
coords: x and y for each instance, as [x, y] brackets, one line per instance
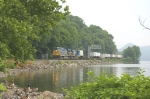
[64, 53]
[103, 56]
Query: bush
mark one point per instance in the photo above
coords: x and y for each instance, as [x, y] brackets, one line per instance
[67, 61]
[2, 88]
[59, 62]
[12, 66]
[112, 87]
[9, 61]
[2, 66]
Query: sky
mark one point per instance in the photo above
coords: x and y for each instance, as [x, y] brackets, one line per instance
[118, 17]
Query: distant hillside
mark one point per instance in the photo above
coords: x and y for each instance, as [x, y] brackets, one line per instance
[145, 51]
[125, 46]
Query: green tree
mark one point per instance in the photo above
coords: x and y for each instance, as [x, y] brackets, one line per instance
[132, 52]
[65, 35]
[137, 52]
[23, 23]
[15, 36]
[101, 37]
[74, 33]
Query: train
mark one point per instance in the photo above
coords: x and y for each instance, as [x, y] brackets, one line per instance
[103, 56]
[65, 53]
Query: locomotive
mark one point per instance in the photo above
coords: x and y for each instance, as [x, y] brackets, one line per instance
[65, 53]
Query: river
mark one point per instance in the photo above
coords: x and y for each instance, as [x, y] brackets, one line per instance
[55, 79]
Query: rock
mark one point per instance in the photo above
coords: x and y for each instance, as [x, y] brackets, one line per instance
[17, 93]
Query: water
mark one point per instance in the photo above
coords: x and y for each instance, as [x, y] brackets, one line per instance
[56, 79]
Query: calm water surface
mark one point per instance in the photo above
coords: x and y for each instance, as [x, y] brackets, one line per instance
[56, 79]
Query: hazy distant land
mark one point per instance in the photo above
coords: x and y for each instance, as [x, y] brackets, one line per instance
[145, 51]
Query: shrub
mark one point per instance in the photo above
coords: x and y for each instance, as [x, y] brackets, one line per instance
[67, 61]
[58, 62]
[95, 60]
[20, 64]
[112, 87]
[2, 66]
[2, 88]
[12, 66]
[9, 62]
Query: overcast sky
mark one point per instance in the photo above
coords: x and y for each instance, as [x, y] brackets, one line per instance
[118, 17]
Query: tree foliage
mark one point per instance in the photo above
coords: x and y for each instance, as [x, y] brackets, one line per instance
[30, 28]
[75, 34]
[132, 54]
[23, 23]
[112, 87]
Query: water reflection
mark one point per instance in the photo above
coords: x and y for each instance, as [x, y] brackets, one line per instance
[127, 70]
[55, 79]
[110, 69]
[51, 79]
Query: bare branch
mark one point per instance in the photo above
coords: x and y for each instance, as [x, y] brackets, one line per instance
[142, 24]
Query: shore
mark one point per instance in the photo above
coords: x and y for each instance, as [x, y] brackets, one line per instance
[15, 93]
[46, 64]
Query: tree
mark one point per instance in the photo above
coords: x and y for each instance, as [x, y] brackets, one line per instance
[101, 37]
[137, 53]
[65, 35]
[15, 39]
[73, 33]
[133, 53]
[23, 23]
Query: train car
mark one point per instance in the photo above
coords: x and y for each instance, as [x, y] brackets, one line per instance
[113, 56]
[64, 53]
[79, 54]
[94, 55]
[104, 56]
[119, 56]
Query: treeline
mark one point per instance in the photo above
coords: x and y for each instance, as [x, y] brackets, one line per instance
[75, 34]
[30, 28]
[131, 54]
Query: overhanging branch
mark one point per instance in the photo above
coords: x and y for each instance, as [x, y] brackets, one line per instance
[142, 23]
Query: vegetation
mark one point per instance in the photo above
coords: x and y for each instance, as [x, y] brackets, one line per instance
[25, 24]
[11, 64]
[112, 87]
[2, 66]
[59, 62]
[75, 34]
[2, 88]
[31, 28]
[131, 54]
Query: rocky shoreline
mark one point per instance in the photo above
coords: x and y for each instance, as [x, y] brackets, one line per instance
[13, 93]
[46, 64]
